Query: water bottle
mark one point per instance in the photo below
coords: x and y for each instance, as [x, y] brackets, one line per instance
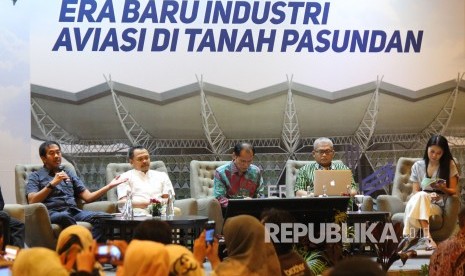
[170, 205]
[128, 212]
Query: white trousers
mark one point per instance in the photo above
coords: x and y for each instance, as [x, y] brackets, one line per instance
[419, 207]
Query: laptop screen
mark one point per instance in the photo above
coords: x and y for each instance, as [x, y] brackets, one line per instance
[331, 182]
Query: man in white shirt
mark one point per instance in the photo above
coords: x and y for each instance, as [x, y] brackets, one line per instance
[143, 182]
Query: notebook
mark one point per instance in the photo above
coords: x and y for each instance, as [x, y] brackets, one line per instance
[336, 182]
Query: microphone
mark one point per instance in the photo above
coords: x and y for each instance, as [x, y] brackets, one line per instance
[62, 168]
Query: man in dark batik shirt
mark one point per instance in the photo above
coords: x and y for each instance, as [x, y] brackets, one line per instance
[238, 178]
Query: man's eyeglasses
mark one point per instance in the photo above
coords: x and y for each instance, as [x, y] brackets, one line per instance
[327, 151]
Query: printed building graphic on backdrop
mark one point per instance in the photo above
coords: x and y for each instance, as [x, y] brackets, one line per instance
[371, 124]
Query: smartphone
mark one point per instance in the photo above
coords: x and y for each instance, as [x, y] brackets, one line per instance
[209, 231]
[107, 253]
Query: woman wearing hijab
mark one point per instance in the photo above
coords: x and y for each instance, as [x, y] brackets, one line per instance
[72, 241]
[182, 261]
[248, 254]
[145, 258]
[38, 262]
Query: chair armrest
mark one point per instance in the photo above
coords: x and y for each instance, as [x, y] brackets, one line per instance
[15, 211]
[389, 203]
[38, 227]
[101, 206]
[211, 208]
[450, 215]
[188, 206]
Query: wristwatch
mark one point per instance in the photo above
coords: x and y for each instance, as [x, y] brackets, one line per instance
[50, 186]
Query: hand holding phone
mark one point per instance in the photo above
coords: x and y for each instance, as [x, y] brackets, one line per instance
[109, 253]
[209, 232]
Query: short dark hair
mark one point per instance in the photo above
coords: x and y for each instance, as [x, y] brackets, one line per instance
[43, 147]
[277, 216]
[241, 146]
[153, 230]
[132, 149]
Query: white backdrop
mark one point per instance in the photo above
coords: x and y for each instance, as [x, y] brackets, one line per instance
[441, 56]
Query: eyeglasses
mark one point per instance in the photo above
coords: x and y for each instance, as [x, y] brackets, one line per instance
[327, 151]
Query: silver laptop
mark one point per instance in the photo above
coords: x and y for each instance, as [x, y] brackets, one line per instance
[336, 182]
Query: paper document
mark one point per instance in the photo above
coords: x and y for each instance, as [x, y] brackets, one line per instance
[430, 183]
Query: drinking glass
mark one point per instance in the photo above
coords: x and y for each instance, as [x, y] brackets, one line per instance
[324, 191]
[359, 202]
[164, 203]
[121, 205]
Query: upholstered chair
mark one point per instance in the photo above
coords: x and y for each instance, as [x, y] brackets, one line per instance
[201, 184]
[186, 206]
[39, 230]
[292, 169]
[440, 226]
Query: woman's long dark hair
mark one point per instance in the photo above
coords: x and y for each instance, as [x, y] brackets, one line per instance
[444, 162]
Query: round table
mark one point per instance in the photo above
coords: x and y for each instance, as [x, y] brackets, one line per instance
[185, 229]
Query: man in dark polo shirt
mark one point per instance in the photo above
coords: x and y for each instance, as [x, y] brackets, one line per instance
[58, 189]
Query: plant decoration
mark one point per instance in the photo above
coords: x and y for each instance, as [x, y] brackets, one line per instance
[389, 250]
[155, 207]
[321, 256]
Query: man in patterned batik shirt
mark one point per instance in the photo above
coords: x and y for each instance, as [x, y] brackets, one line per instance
[323, 152]
[238, 178]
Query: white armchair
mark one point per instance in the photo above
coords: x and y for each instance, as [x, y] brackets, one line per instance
[187, 206]
[39, 230]
[201, 184]
[440, 226]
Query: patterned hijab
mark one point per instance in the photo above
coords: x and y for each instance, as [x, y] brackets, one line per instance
[38, 261]
[248, 254]
[70, 242]
[182, 261]
[145, 258]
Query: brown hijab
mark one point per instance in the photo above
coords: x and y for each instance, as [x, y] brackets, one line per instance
[248, 254]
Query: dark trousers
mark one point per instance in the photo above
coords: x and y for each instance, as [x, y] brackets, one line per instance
[71, 215]
[13, 230]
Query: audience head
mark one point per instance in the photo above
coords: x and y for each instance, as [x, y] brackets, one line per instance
[183, 262]
[243, 155]
[437, 149]
[323, 151]
[244, 238]
[145, 258]
[139, 158]
[38, 261]
[277, 217]
[355, 266]
[50, 153]
[71, 241]
[153, 230]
